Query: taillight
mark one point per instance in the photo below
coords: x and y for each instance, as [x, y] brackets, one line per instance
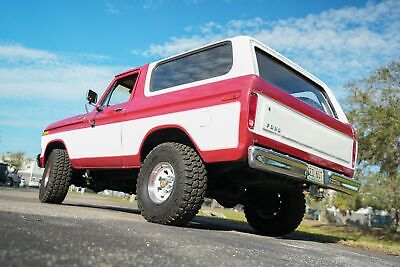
[253, 99]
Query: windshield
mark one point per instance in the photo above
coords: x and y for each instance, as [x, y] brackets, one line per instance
[288, 80]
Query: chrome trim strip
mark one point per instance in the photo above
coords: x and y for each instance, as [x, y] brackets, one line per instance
[271, 161]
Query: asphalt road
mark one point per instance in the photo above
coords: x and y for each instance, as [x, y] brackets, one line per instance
[92, 231]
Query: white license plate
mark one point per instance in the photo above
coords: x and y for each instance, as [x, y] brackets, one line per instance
[315, 174]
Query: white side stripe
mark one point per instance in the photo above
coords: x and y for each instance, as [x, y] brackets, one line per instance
[211, 128]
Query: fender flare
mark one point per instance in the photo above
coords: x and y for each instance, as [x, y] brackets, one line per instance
[169, 127]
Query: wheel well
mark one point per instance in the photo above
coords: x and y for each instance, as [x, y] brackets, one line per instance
[51, 147]
[163, 136]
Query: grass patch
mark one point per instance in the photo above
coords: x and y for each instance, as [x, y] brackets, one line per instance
[103, 196]
[230, 214]
[375, 239]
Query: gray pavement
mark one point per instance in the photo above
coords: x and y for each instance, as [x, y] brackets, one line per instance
[92, 231]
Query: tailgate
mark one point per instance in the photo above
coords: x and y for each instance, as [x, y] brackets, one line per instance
[292, 128]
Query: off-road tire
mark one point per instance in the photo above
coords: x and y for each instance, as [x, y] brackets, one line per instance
[286, 219]
[59, 171]
[188, 190]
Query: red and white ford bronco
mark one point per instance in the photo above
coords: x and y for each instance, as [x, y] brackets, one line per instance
[234, 121]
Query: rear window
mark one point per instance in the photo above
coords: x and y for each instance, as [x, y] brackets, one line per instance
[200, 65]
[292, 82]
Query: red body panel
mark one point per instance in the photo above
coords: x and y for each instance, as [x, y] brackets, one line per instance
[231, 90]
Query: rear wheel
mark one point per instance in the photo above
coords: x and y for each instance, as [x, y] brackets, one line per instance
[56, 177]
[171, 184]
[280, 214]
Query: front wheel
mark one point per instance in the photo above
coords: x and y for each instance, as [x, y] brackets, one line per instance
[279, 215]
[171, 184]
[56, 177]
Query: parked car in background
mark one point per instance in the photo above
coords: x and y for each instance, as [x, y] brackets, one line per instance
[34, 181]
[30, 174]
[9, 176]
[4, 179]
[23, 182]
[15, 179]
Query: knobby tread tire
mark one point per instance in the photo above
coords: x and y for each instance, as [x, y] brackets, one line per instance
[189, 187]
[287, 219]
[59, 178]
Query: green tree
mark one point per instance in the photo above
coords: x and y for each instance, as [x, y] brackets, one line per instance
[375, 193]
[16, 159]
[373, 106]
[344, 202]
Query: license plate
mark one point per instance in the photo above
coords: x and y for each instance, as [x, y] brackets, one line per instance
[315, 174]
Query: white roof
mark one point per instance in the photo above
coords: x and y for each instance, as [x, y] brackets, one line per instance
[249, 42]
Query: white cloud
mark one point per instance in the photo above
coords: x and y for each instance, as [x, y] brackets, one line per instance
[16, 53]
[176, 45]
[337, 45]
[112, 9]
[157, 4]
[193, 2]
[38, 87]
[152, 4]
[39, 74]
[54, 82]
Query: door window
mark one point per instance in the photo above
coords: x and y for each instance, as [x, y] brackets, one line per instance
[121, 91]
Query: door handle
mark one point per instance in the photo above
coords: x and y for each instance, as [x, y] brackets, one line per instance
[118, 109]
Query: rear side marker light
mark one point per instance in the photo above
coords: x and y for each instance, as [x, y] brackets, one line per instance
[354, 153]
[355, 148]
[253, 99]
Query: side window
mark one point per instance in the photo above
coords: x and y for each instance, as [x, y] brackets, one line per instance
[121, 91]
[199, 65]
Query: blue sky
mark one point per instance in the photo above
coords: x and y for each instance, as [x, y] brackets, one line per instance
[51, 52]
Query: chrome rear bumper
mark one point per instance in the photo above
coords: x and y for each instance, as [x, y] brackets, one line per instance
[274, 162]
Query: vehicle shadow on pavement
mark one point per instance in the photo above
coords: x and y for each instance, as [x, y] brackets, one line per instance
[300, 235]
[218, 224]
[104, 207]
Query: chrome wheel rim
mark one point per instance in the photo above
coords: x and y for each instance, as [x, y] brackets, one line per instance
[161, 182]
